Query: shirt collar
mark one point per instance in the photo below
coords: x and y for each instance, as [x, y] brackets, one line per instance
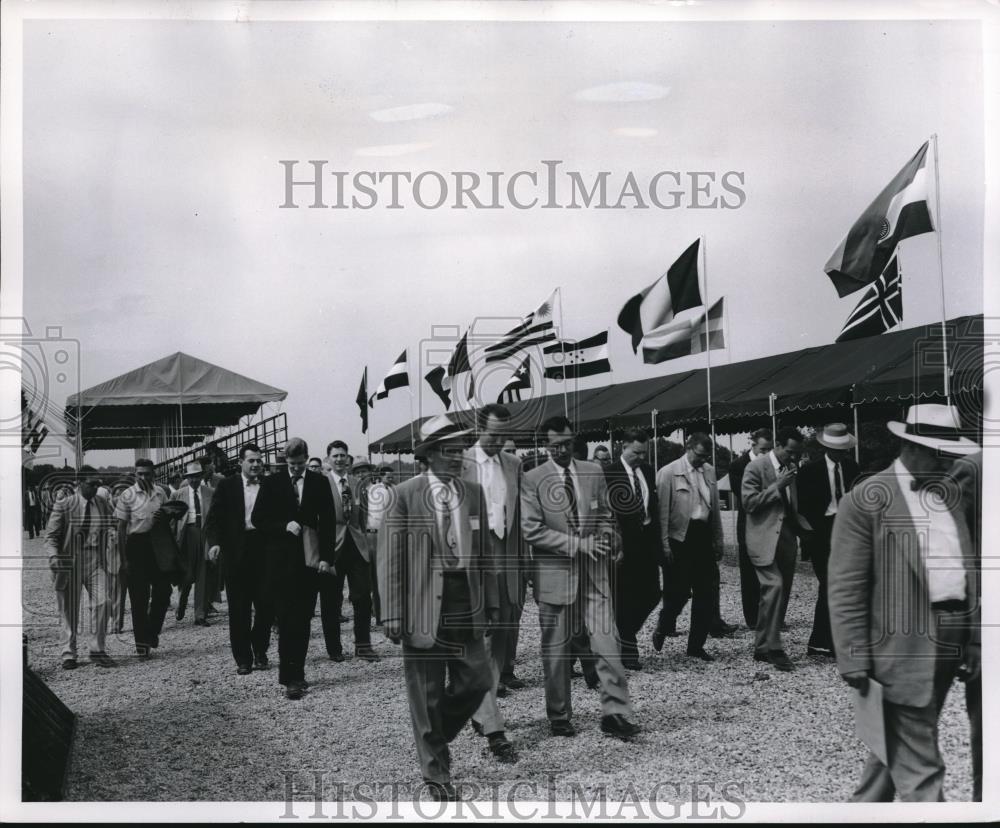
[437, 482]
[248, 482]
[774, 460]
[689, 468]
[904, 477]
[829, 463]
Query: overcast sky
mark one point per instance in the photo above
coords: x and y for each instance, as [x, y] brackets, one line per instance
[152, 185]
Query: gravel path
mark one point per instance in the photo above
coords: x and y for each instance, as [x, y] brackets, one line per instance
[183, 726]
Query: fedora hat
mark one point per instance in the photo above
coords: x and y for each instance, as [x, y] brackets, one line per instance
[836, 436]
[436, 430]
[192, 468]
[935, 426]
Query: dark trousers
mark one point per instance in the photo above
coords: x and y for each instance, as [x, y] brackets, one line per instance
[250, 595]
[372, 541]
[819, 548]
[694, 569]
[295, 596]
[974, 707]
[355, 570]
[749, 585]
[636, 589]
[198, 574]
[148, 591]
[446, 683]
[33, 520]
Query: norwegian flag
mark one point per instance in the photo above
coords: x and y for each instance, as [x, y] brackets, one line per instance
[881, 309]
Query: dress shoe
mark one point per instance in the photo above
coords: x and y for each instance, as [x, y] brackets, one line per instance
[783, 627]
[618, 726]
[761, 657]
[701, 654]
[442, 791]
[367, 653]
[201, 622]
[338, 657]
[658, 639]
[155, 642]
[780, 660]
[512, 682]
[143, 652]
[822, 652]
[502, 691]
[728, 631]
[593, 682]
[180, 613]
[343, 618]
[501, 748]
[574, 673]
[261, 663]
[103, 660]
[304, 684]
[477, 727]
[243, 670]
[632, 664]
[211, 611]
[562, 727]
[69, 664]
[294, 691]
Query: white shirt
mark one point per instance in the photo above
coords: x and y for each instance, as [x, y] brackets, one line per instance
[633, 475]
[250, 492]
[440, 493]
[378, 501]
[494, 485]
[575, 480]
[191, 515]
[937, 537]
[703, 495]
[831, 470]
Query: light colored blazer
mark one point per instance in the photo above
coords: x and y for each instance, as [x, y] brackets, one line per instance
[354, 526]
[765, 509]
[557, 559]
[510, 567]
[410, 584]
[877, 588]
[205, 493]
[66, 518]
[678, 495]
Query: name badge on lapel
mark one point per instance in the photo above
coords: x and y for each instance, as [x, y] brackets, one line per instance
[474, 523]
[593, 504]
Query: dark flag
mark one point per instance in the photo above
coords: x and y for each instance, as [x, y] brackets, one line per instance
[900, 211]
[459, 364]
[435, 379]
[519, 381]
[675, 291]
[881, 308]
[362, 401]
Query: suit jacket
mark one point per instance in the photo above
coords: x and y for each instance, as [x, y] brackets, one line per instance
[880, 609]
[967, 472]
[358, 510]
[813, 485]
[627, 506]
[410, 580]
[765, 509]
[678, 495]
[205, 493]
[225, 524]
[510, 568]
[277, 506]
[736, 470]
[556, 551]
[66, 520]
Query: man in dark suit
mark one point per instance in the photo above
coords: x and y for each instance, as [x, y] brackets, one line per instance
[439, 596]
[238, 544]
[822, 484]
[636, 580]
[761, 441]
[295, 512]
[352, 555]
[196, 495]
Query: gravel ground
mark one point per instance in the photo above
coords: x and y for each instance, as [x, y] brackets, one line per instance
[169, 729]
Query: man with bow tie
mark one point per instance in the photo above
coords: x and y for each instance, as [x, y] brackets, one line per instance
[237, 543]
[770, 499]
[822, 484]
[439, 596]
[82, 555]
[353, 558]
[295, 512]
[903, 593]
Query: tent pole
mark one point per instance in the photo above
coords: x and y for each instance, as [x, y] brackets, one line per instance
[944, 317]
[656, 442]
[857, 434]
[772, 398]
[562, 351]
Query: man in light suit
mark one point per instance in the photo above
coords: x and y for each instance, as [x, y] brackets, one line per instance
[78, 540]
[773, 525]
[439, 596]
[498, 475]
[691, 534]
[566, 519]
[760, 443]
[295, 511]
[197, 496]
[353, 557]
[903, 600]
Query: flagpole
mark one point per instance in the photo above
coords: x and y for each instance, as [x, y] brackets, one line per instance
[409, 388]
[562, 351]
[708, 347]
[772, 398]
[656, 442]
[940, 247]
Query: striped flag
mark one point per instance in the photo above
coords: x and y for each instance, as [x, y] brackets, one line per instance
[647, 313]
[535, 329]
[693, 334]
[519, 381]
[900, 211]
[398, 377]
[459, 364]
[881, 308]
[571, 360]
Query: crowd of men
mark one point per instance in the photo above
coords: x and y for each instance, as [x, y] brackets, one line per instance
[442, 562]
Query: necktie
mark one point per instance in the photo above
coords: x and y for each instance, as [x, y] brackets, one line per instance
[450, 537]
[197, 507]
[345, 497]
[572, 518]
[638, 493]
[838, 486]
[295, 487]
[85, 526]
